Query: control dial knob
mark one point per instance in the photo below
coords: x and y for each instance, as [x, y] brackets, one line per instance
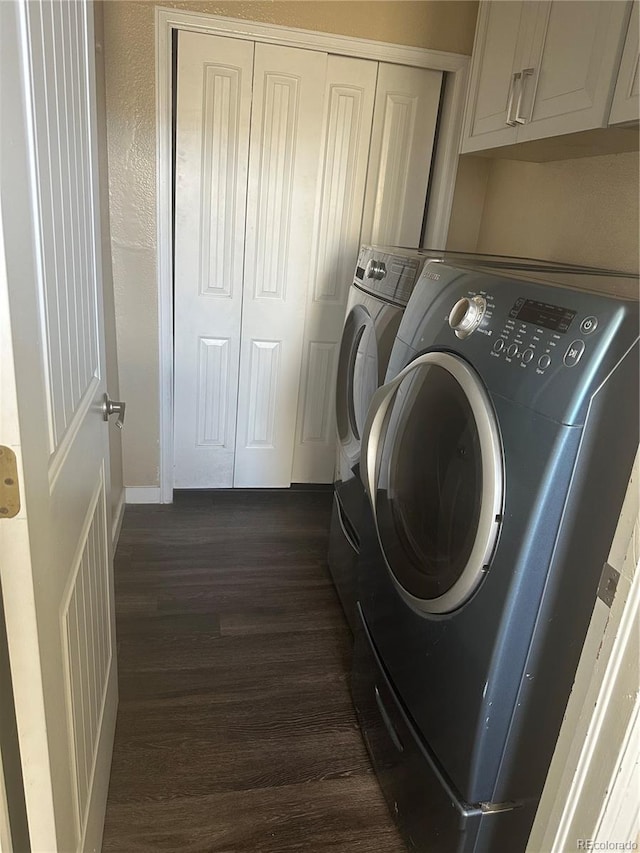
[376, 270]
[466, 315]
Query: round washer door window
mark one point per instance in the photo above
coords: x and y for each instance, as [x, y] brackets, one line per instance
[439, 486]
[357, 378]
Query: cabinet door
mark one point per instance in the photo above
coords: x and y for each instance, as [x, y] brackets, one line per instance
[404, 128]
[501, 49]
[212, 145]
[349, 95]
[285, 141]
[626, 99]
[574, 58]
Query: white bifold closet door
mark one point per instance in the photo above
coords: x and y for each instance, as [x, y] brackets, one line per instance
[380, 129]
[279, 156]
[249, 120]
[212, 159]
[286, 124]
[348, 116]
[402, 140]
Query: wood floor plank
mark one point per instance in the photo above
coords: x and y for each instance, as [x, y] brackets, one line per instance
[334, 815]
[236, 732]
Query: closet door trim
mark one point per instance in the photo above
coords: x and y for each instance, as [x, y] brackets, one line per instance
[443, 175]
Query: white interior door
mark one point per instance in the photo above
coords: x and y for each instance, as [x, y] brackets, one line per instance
[404, 131]
[212, 144]
[286, 132]
[349, 95]
[55, 570]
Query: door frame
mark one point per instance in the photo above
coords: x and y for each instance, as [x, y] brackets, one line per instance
[442, 183]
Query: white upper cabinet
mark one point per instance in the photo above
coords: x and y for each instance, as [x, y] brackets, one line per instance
[542, 69]
[573, 67]
[500, 53]
[626, 98]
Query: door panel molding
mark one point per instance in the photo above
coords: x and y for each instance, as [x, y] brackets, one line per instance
[269, 268]
[444, 168]
[62, 199]
[59, 456]
[263, 380]
[219, 177]
[213, 391]
[88, 657]
[340, 183]
[321, 366]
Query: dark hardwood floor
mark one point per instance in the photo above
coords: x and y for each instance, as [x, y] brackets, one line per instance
[236, 731]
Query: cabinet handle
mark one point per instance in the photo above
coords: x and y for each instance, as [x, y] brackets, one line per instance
[520, 119]
[517, 75]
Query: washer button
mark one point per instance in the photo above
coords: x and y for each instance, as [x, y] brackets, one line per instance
[499, 345]
[544, 361]
[512, 350]
[574, 353]
[527, 356]
[588, 325]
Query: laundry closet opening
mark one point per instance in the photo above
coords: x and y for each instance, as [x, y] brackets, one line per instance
[286, 159]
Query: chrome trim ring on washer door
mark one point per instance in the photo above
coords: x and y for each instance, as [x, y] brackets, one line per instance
[491, 459]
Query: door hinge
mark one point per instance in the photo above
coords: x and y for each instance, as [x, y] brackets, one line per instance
[608, 584]
[9, 490]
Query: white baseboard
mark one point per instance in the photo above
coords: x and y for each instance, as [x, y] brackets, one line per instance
[118, 515]
[142, 494]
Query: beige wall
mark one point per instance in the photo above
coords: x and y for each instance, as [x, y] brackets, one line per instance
[115, 439]
[468, 203]
[130, 69]
[581, 211]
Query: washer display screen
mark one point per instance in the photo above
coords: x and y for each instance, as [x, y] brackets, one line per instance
[542, 314]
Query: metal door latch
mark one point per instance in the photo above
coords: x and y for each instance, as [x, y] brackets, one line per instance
[9, 490]
[112, 407]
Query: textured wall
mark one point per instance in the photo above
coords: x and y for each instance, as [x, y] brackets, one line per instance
[130, 70]
[115, 435]
[129, 63]
[581, 211]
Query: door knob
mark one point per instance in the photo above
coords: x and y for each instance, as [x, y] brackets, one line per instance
[112, 407]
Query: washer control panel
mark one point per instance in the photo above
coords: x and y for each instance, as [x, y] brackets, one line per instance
[539, 344]
[534, 334]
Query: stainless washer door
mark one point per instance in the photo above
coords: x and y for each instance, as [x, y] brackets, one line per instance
[357, 378]
[432, 466]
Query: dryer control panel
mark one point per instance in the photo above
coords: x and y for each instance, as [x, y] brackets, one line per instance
[388, 275]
